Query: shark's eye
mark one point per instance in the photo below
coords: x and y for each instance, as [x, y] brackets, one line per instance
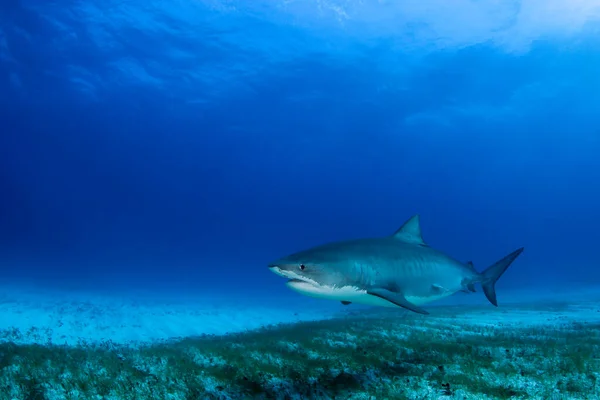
[302, 267]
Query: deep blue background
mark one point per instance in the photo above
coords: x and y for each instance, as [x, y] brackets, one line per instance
[189, 144]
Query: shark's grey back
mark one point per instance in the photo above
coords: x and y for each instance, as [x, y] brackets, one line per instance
[389, 262]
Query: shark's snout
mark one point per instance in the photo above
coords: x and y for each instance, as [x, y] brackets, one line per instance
[275, 269]
[294, 279]
[281, 271]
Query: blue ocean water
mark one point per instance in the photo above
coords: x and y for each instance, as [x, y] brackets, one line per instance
[180, 146]
[156, 156]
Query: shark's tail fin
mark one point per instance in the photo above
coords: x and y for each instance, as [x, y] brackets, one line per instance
[490, 276]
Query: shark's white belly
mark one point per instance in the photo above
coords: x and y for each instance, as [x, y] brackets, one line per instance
[356, 295]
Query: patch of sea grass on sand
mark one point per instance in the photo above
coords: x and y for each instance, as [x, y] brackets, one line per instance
[365, 355]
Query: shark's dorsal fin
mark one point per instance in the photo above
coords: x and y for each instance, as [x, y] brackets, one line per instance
[410, 232]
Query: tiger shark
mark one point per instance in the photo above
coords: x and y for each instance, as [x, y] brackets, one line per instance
[392, 271]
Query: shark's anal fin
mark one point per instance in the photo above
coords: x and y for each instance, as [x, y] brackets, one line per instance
[468, 287]
[397, 298]
[344, 302]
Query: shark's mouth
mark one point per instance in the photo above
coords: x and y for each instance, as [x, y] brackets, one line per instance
[296, 280]
[293, 278]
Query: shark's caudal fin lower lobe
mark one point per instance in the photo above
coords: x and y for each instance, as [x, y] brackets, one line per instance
[491, 275]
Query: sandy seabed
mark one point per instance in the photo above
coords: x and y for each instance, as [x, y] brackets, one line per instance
[76, 345]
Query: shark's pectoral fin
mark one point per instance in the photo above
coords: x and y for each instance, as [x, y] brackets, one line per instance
[397, 298]
[344, 302]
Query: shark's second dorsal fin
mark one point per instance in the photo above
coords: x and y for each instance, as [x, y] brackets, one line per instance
[470, 265]
[410, 232]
